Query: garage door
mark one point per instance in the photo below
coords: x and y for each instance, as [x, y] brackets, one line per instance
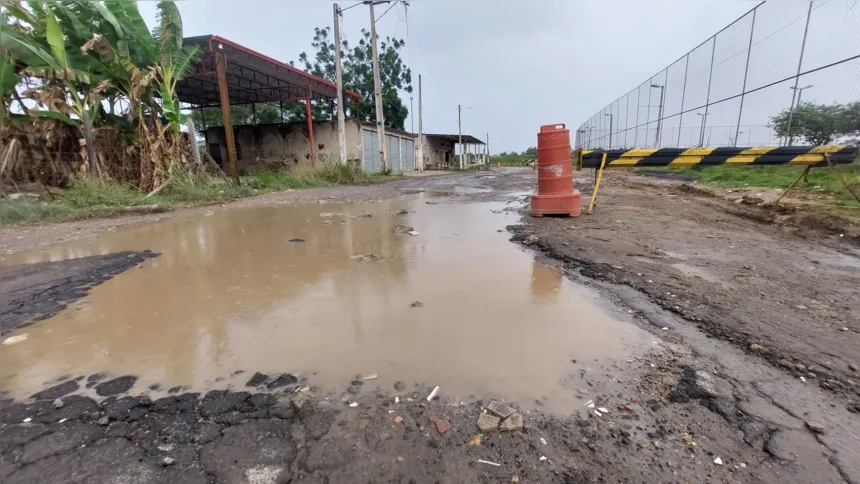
[393, 152]
[409, 154]
[371, 151]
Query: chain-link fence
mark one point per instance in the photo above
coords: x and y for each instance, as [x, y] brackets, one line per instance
[783, 63]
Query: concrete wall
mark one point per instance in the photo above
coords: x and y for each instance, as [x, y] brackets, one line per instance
[278, 145]
[433, 150]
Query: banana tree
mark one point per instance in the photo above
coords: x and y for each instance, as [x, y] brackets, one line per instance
[175, 61]
[81, 93]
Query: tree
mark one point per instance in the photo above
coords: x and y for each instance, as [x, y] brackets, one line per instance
[817, 124]
[358, 76]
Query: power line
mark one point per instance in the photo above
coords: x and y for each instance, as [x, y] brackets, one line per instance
[421, 48]
[386, 11]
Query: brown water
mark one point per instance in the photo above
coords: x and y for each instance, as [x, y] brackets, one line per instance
[229, 291]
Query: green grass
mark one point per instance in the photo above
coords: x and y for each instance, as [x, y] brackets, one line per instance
[88, 198]
[821, 180]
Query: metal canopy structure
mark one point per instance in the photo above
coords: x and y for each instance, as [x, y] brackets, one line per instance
[455, 138]
[228, 73]
[251, 77]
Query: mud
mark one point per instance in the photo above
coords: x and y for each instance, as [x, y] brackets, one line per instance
[714, 396]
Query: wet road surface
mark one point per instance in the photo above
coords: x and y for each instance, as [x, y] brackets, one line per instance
[283, 288]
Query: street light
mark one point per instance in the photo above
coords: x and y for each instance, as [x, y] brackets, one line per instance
[611, 116]
[660, 114]
[799, 92]
[702, 132]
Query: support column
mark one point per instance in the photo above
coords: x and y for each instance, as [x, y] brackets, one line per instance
[311, 132]
[221, 67]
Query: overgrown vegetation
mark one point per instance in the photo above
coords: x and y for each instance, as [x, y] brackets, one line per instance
[513, 158]
[93, 64]
[88, 198]
[821, 180]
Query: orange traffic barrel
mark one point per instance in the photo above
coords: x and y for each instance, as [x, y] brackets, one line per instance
[555, 195]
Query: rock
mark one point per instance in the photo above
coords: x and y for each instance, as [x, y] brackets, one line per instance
[403, 229]
[530, 240]
[116, 386]
[299, 402]
[698, 384]
[103, 421]
[442, 426]
[417, 304]
[167, 461]
[800, 367]
[488, 423]
[219, 402]
[58, 403]
[500, 409]
[785, 364]
[283, 380]
[757, 348]
[815, 428]
[354, 389]
[57, 391]
[852, 367]
[257, 380]
[514, 422]
[399, 386]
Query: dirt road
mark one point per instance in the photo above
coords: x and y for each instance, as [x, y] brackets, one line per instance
[751, 378]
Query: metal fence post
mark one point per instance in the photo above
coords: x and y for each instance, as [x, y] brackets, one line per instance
[746, 72]
[710, 78]
[638, 100]
[626, 119]
[794, 94]
[683, 96]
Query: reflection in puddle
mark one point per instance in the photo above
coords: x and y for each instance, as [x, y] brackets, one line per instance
[230, 291]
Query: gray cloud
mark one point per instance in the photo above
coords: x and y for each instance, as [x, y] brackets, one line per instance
[518, 64]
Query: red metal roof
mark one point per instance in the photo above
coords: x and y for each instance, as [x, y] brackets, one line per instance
[251, 77]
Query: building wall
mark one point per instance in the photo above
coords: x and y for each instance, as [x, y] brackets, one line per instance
[279, 145]
[434, 148]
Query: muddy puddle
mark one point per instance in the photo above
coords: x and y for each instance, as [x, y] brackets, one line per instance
[278, 288]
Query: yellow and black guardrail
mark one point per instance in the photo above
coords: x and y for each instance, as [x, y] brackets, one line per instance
[813, 156]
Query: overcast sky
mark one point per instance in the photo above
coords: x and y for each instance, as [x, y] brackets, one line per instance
[517, 64]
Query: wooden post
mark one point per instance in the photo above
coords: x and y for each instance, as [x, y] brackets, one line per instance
[338, 75]
[221, 67]
[192, 133]
[420, 130]
[377, 94]
[311, 132]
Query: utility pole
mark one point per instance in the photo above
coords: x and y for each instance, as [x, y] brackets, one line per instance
[420, 129]
[338, 75]
[377, 90]
[488, 150]
[460, 131]
[411, 115]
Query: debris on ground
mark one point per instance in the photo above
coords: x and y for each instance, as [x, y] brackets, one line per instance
[542, 458]
[815, 427]
[500, 409]
[482, 461]
[399, 386]
[417, 304]
[58, 403]
[474, 442]
[296, 240]
[413, 233]
[530, 240]
[365, 257]
[402, 229]
[433, 393]
[442, 426]
[353, 404]
[299, 401]
[488, 423]
[13, 340]
[515, 479]
[543, 441]
[718, 461]
[372, 376]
